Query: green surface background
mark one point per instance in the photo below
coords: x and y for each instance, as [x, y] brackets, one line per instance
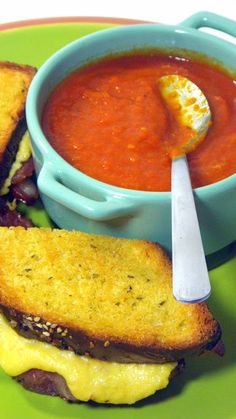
[207, 389]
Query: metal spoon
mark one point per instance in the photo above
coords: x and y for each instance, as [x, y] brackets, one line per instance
[190, 109]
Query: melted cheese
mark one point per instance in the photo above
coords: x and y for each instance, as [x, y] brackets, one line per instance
[22, 155]
[87, 379]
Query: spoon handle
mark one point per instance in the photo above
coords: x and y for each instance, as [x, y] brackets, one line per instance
[190, 275]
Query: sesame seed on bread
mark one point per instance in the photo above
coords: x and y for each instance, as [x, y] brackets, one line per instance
[107, 297]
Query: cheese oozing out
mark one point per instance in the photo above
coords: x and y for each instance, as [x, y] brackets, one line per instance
[86, 378]
[22, 155]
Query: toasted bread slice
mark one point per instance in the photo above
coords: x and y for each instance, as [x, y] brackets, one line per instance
[111, 298]
[14, 84]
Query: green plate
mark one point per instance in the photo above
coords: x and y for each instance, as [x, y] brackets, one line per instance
[207, 388]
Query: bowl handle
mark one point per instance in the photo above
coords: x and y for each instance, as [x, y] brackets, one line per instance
[113, 206]
[211, 20]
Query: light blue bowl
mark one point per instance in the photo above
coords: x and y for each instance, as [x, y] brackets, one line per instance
[76, 201]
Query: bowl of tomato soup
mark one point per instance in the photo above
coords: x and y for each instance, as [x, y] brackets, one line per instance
[98, 124]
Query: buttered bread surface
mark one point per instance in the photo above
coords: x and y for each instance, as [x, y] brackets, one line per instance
[115, 290]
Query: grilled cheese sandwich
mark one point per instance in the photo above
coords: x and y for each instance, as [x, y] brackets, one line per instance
[14, 84]
[96, 311]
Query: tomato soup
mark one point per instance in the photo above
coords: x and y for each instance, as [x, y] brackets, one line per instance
[108, 120]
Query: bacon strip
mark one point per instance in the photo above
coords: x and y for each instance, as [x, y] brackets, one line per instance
[26, 170]
[45, 382]
[13, 218]
[219, 348]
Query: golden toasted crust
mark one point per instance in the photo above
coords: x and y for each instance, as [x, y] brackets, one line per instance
[111, 293]
[14, 84]
[18, 67]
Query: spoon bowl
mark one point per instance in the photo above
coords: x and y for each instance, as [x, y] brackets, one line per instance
[189, 107]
